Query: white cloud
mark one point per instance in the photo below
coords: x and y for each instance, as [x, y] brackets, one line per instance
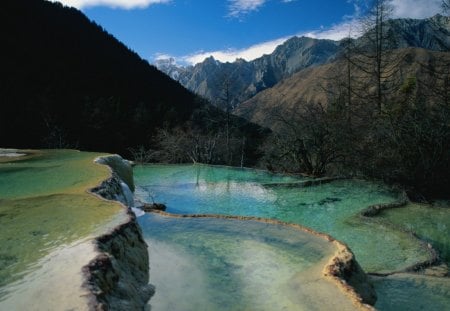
[336, 32]
[162, 56]
[123, 4]
[415, 8]
[350, 26]
[230, 55]
[240, 7]
[237, 8]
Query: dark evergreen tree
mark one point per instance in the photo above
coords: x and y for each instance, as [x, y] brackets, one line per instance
[66, 82]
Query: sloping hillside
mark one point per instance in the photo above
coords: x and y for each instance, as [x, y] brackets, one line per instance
[321, 85]
[66, 82]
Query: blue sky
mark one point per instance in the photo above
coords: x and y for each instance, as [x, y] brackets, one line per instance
[190, 30]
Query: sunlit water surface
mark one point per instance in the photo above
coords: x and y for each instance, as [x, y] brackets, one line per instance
[45, 211]
[381, 244]
[431, 223]
[225, 264]
[408, 292]
[332, 208]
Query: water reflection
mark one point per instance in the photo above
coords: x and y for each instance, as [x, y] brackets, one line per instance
[381, 244]
[332, 208]
[44, 207]
[405, 292]
[431, 223]
[222, 264]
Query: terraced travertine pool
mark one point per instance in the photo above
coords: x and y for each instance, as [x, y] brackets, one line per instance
[382, 244]
[430, 222]
[47, 222]
[332, 208]
[228, 264]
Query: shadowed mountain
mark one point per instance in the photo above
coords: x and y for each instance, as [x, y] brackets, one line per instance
[65, 78]
[431, 33]
[66, 82]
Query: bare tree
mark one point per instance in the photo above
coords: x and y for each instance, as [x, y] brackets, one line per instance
[56, 137]
[347, 84]
[375, 55]
[227, 107]
[203, 148]
[446, 6]
[141, 154]
[227, 101]
[197, 146]
[306, 140]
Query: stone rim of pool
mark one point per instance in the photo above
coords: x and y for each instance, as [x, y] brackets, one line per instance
[342, 269]
[106, 270]
[426, 254]
[88, 272]
[372, 211]
[108, 251]
[202, 181]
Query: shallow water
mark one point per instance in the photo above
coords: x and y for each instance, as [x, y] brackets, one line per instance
[44, 206]
[431, 224]
[54, 282]
[332, 208]
[49, 172]
[226, 264]
[406, 292]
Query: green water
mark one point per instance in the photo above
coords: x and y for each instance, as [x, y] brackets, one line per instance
[332, 208]
[431, 224]
[406, 292]
[381, 244]
[44, 205]
[224, 264]
[49, 172]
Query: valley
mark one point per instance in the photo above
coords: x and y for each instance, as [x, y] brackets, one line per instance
[248, 155]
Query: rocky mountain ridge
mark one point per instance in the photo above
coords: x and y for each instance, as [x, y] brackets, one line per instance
[244, 79]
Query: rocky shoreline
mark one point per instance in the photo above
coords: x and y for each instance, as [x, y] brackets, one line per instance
[118, 278]
[433, 260]
[342, 269]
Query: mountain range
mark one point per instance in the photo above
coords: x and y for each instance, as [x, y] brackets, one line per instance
[244, 79]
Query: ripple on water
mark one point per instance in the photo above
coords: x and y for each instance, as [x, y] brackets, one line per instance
[44, 206]
[332, 208]
[406, 292]
[224, 264]
[430, 223]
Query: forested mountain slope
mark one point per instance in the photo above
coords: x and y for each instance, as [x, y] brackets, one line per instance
[66, 82]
